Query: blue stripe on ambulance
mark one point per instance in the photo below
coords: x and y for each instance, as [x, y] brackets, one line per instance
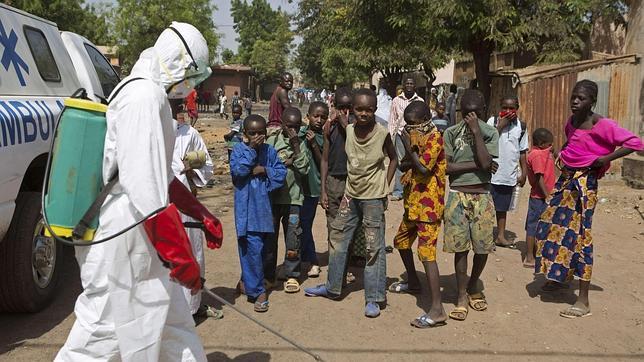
[24, 122]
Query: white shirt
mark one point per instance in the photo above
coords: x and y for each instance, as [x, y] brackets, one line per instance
[511, 144]
[396, 115]
[189, 139]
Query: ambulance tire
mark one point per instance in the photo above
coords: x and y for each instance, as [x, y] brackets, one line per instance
[19, 290]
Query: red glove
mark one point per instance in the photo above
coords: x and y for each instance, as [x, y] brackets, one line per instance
[168, 236]
[188, 204]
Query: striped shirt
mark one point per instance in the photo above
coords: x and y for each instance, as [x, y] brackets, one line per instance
[396, 119]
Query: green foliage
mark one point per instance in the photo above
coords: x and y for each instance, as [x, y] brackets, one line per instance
[264, 37]
[228, 56]
[326, 57]
[138, 23]
[90, 21]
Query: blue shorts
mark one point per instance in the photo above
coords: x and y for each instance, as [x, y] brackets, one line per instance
[502, 195]
[535, 208]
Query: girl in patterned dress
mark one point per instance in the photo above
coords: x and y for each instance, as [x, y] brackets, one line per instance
[564, 238]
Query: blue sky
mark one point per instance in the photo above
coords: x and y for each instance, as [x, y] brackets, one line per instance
[224, 21]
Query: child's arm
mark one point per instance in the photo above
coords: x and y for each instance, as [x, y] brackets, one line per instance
[393, 159]
[324, 167]
[314, 148]
[274, 169]
[605, 160]
[301, 161]
[524, 168]
[542, 184]
[482, 156]
[242, 161]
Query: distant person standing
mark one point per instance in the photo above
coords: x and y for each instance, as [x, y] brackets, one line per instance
[396, 125]
[450, 104]
[384, 107]
[279, 102]
[248, 104]
[191, 107]
[222, 106]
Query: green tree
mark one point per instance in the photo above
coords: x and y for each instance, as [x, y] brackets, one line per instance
[264, 37]
[326, 57]
[90, 21]
[228, 56]
[138, 23]
[554, 30]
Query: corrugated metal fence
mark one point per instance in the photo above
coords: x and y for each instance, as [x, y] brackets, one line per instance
[544, 92]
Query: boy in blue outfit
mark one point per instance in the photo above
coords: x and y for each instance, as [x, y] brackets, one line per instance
[256, 170]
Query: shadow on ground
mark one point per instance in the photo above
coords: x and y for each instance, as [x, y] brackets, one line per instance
[19, 327]
[250, 356]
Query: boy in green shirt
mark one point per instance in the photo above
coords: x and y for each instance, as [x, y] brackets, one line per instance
[469, 212]
[312, 136]
[287, 200]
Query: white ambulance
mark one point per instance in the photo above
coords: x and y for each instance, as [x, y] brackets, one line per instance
[39, 67]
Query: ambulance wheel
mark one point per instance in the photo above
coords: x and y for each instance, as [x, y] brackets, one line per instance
[30, 264]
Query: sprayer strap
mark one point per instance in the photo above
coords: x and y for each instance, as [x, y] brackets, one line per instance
[95, 208]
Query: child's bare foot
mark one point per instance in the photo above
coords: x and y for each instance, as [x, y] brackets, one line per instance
[528, 263]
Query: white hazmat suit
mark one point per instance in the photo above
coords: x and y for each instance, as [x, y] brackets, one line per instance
[189, 139]
[129, 309]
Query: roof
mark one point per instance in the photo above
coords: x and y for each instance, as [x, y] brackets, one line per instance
[534, 72]
[232, 67]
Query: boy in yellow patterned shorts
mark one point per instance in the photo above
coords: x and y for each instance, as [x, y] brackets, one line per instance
[424, 199]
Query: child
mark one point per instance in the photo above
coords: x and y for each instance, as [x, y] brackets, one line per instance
[287, 200]
[541, 174]
[565, 243]
[470, 146]
[235, 135]
[440, 120]
[312, 136]
[424, 196]
[222, 106]
[367, 145]
[256, 170]
[334, 167]
[513, 145]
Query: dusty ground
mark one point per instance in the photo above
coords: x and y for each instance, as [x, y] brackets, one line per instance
[521, 322]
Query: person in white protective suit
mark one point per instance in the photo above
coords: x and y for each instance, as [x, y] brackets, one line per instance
[193, 172]
[132, 307]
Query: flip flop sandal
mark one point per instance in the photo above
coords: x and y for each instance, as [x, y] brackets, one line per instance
[477, 301]
[402, 287]
[459, 313]
[206, 311]
[424, 321]
[261, 307]
[575, 312]
[291, 286]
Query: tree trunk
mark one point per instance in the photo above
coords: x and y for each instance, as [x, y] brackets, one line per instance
[482, 51]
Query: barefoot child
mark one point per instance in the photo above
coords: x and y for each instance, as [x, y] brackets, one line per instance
[287, 200]
[424, 195]
[367, 145]
[311, 135]
[565, 244]
[541, 175]
[470, 146]
[513, 145]
[256, 171]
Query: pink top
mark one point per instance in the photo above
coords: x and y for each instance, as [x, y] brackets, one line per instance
[586, 145]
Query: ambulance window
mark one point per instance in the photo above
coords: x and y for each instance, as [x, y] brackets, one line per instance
[106, 74]
[42, 54]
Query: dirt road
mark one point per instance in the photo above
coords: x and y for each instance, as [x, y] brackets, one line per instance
[522, 323]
